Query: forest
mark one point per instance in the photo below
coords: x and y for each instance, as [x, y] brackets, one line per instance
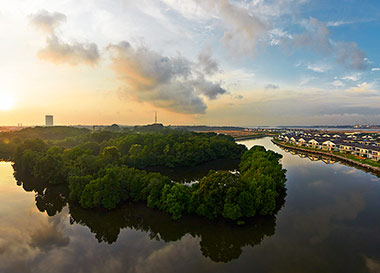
[104, 169]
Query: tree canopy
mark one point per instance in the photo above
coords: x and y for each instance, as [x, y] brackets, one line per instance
[104, 169]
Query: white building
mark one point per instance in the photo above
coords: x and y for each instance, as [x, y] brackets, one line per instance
[328, 145]
[49, 120]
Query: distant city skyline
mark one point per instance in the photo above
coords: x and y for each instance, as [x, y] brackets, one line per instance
[226, 62]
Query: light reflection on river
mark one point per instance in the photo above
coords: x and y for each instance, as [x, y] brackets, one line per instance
[330, 223]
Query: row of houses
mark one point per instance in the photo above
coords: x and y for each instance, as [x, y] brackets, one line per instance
[339, 143]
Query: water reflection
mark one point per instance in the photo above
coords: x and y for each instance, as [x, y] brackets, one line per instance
[49, 198]
[325, 159]
[220, 240]
[49, 236]
[330, 223]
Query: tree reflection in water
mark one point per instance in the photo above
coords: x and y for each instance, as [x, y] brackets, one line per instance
[220, 240]
[49, 198]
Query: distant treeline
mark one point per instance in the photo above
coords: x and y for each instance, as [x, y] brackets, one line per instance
[10, 140]
[167, 147]
[100, 169]
[207, 128]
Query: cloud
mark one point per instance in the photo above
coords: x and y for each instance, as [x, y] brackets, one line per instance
[47, 21]
[350, 55]
[272, 86]
[317, 38]
[353, 77]
[242, 29]
[337, 83]
[173, 83]
[362, 89]
[207, 63]
[376, 69]
[318, 68]
[207, 88]
[49, 236]
[306, 80]
[278, 37]
[58, 51]
[338, 23]
[244, 24]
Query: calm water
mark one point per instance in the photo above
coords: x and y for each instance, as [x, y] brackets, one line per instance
[330, 223]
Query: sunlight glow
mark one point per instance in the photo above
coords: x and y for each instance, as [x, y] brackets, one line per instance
[6, 102]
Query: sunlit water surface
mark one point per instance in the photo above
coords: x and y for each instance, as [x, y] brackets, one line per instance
[330, 223]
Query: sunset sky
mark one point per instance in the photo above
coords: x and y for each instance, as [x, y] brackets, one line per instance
[248, 63]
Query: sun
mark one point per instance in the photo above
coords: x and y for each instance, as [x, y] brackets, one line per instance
[6, 102]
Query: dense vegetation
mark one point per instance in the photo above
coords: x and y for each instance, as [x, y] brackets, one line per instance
[101, 172]
[165, 147]
[10, 140]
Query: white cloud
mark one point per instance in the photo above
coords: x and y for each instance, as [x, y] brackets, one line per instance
[363, 88]
[338, 23]
[189, 9]
[352, 77]
[306, 80]
[318, 68]
[376, 69]
[278, 36]
[244, 23]
[337, 83]
[242, 29]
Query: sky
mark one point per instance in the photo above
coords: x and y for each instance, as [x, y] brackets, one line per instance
[213, 62]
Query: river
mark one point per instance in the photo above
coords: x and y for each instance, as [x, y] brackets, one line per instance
[330, 222]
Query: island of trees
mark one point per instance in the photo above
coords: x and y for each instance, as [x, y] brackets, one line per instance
[104, 169]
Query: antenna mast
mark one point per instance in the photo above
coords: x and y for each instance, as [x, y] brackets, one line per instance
[155, 117]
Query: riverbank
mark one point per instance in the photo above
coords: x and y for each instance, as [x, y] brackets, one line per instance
[252, 137]
[332, 155]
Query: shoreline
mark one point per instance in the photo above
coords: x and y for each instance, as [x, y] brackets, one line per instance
[251, 137]
[340, 158]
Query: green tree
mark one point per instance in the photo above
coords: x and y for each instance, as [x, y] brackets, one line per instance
[175, 199]
[111, 155]
[50, 168]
